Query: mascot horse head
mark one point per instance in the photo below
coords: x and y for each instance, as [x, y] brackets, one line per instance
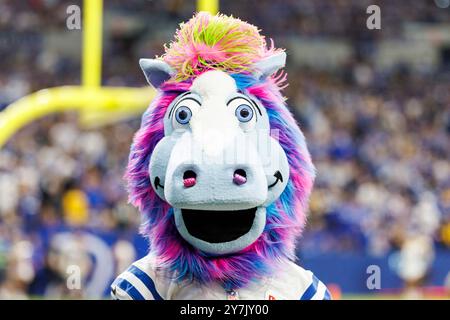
[219, 167]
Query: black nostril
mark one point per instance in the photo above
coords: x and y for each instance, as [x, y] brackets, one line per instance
[239, 177]
[189, 174]
[241, 172]
[189, 178]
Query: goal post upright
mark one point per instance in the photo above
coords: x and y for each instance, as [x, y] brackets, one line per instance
[95, 104]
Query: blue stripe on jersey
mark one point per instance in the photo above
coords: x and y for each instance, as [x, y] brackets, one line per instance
[146, 280]
[129, 288]
[312, 289]
[327, 295]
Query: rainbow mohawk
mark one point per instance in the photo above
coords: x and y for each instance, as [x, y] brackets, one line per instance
[218, 42]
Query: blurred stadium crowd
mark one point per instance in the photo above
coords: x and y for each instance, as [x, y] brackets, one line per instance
[379, 139]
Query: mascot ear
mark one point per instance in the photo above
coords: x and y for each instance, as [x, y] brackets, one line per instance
[268, 66]
[156, 71]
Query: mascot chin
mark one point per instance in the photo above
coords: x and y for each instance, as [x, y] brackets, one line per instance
[220, 171]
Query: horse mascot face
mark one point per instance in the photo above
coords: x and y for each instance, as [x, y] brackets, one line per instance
[219, 167]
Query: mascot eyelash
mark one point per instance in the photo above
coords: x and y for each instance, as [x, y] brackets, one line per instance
[220, 43]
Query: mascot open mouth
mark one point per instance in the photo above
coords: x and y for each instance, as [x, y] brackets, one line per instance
[218, 226]
[220, 232]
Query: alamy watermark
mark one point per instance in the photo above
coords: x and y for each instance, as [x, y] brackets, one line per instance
[373, 22]
[373, 281]
[73, 21]
[73, 281]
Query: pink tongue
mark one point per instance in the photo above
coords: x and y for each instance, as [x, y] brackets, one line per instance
[189, 182]
[238, 179]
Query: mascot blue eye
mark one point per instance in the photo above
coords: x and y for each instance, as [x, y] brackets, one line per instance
[183, 115]
[244, 113]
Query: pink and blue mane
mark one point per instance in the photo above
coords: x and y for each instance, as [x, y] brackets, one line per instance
[285, 217]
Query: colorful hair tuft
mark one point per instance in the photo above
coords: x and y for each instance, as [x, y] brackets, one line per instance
[219, 42]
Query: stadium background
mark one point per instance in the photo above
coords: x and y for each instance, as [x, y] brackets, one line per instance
[374, 106]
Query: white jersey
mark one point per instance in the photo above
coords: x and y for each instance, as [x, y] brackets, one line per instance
[141, 281]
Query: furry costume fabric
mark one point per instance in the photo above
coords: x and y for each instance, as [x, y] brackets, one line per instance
[220, 171]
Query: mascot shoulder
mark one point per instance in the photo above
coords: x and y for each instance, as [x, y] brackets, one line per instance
[143, 281]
